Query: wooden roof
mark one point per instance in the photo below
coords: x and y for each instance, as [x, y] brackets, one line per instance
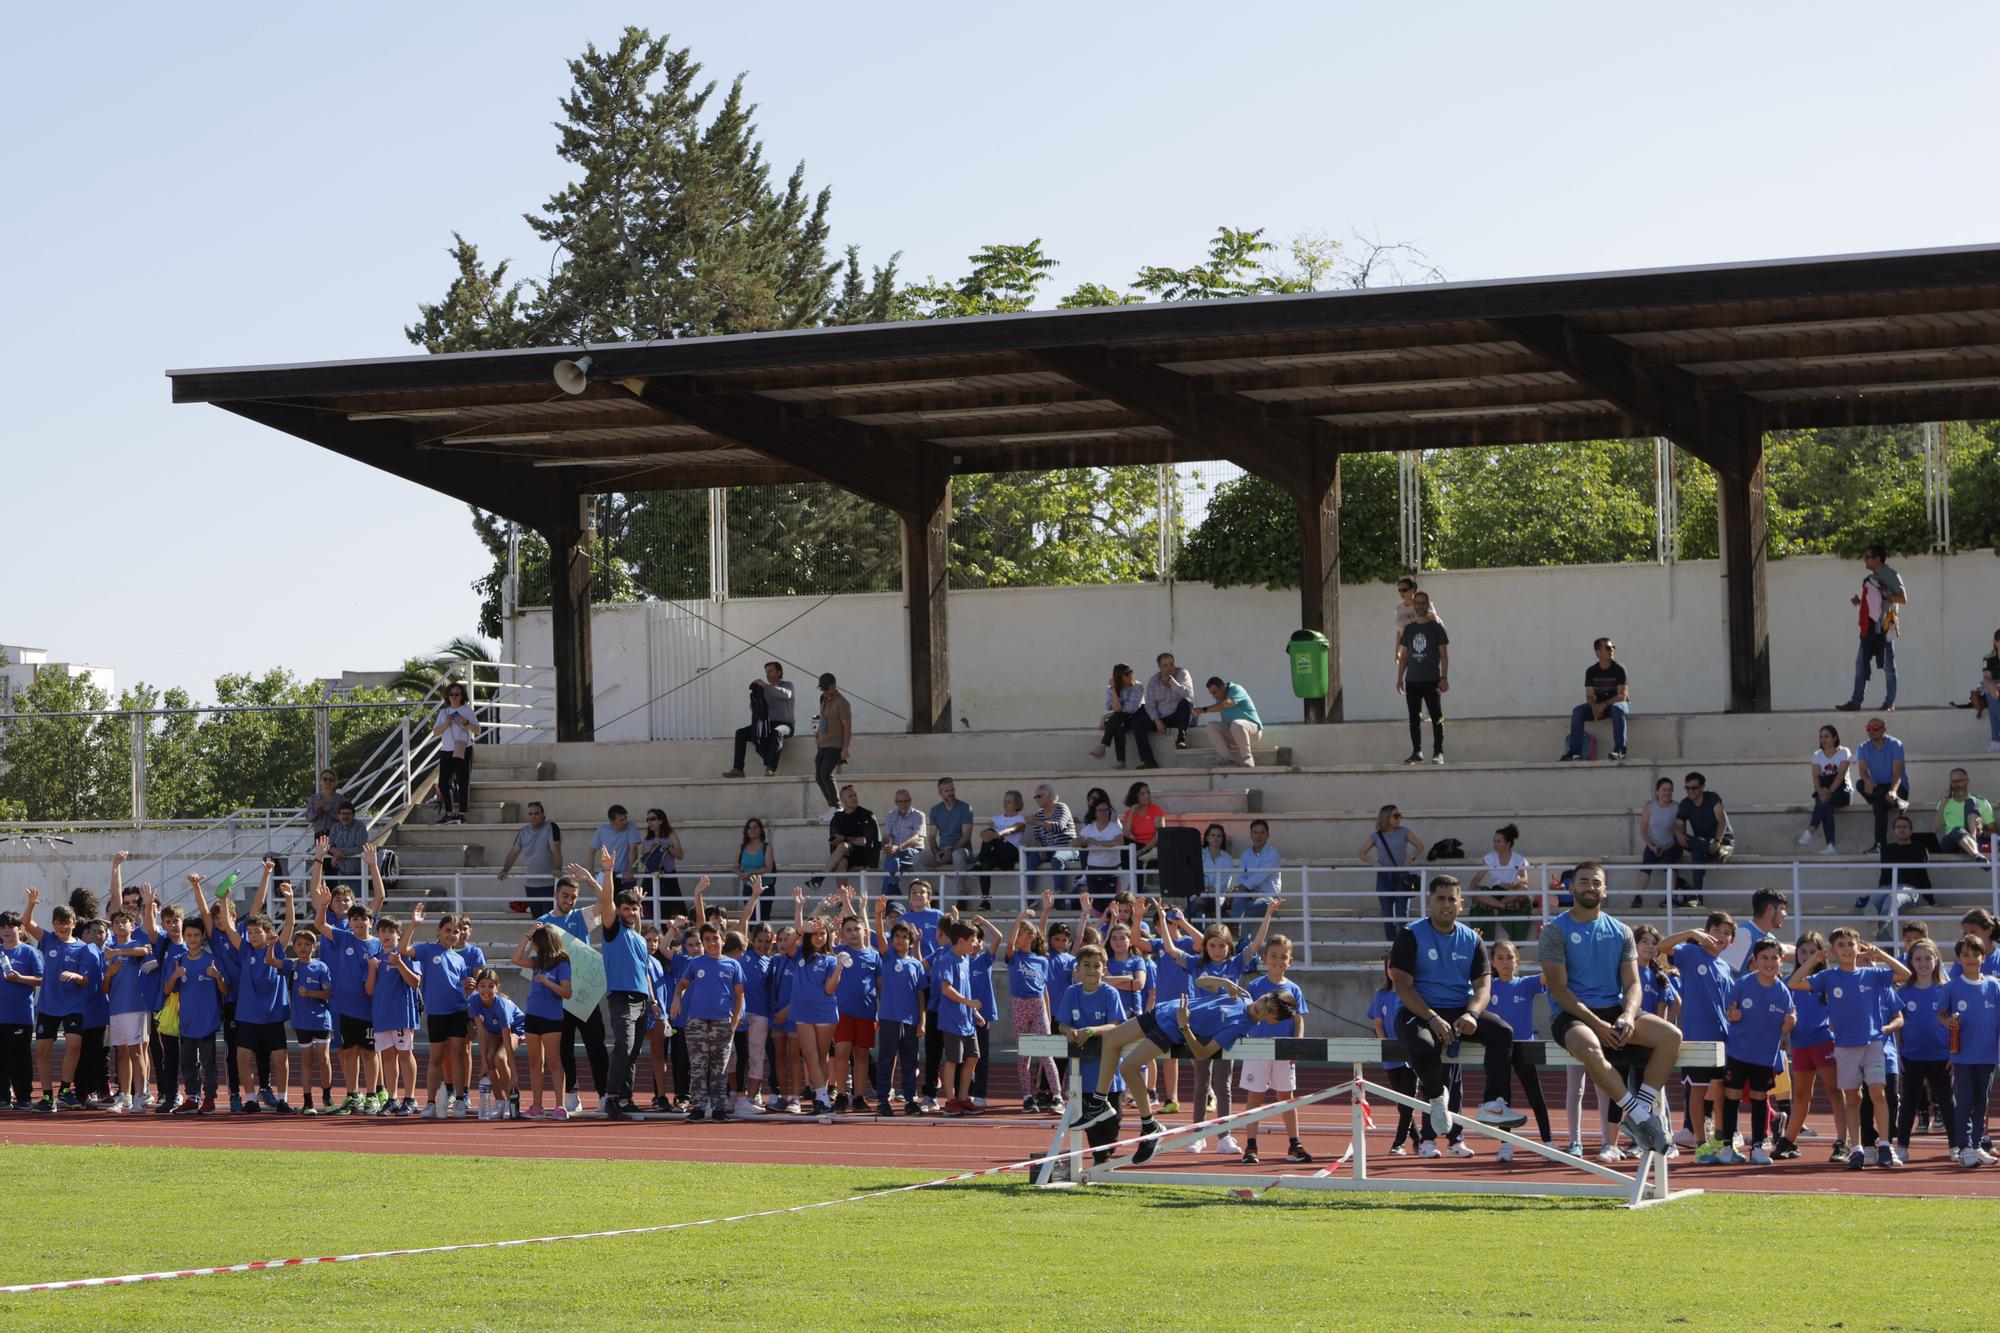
[1708, 355]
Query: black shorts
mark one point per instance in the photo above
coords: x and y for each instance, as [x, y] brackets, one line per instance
[48, 1025]
[1150, 1025]
[1564, 1020]
[1707, 1074]
[357, 1032]
[1738, 1074]
[444, 1027]
[543, 1027]
[959, 1047]
[260, 1038]
[308, 1037]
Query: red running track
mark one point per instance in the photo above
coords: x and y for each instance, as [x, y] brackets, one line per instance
[926, 1143]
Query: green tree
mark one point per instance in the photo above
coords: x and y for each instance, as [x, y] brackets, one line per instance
[65, 768]
[1235, 267]
[610, 579]
[1250, 535]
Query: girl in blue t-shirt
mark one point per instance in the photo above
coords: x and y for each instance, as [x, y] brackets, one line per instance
[784, 1032]
[1925, 1051]
[548, 986]
[1028, 982]
[1811, 1054]
[1513, 1002]
[1382, 1013]
[815, 975]
[1972, 1020]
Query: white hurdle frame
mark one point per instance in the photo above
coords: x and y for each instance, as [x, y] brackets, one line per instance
[1646, 1186]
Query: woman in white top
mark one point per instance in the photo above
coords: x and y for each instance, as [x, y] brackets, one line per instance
[1105, 837]
[456, 727]
[1218, 871]
[1505, 869]
[1831, 788]
[999, 845]
[1125, 711]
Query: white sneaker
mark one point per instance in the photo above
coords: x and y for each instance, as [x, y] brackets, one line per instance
[1199, 1145]
[455, 1110]
[1440, 1114]
[1986, 1158]
[431, 1111]
[1610, 1152]
[1685, 1139]
[572, 1103]
[1729, 1156]
[1461, 1150]
[1228, 1144]
[1506, 1153]
[1758, 1157]
[1993, 747]
[1498, 1114]
[1673, 1152]
[831, 811]
[1970, 1158]
[1829, 850]
[746, 1107]
[1805, 839]
[1428, 1148]
[116, 1106]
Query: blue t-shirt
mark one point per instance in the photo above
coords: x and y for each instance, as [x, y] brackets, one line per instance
[96, 1004]
[1755, 1038]
[308, 1014]
[17, 1002]
[1513, 1003]
[1923, 1037]
[1853, 1002]
[1062, 972]
[1705, 984]
[1027, 974]
[542, 1002]
[902, 978]
[625, 954]
[1219, 1020]
[925, 923]
[1656, 991]
[574, 921]
[810, 1002]
[1386, 1006]
[857, 996]
[394, 1003]
[231, 963]
[1232, 967]
[261, 994]
[445, 971]
[1174, 981]
[1441, 964]
[1132, 965]
[711, 988]
[201, 1000]
[347, 955]
[129, 986]
[1593, 957]
[757, 969]
[503, 1015]
[1892, 1053]
[982, 984]
[1977, 1004]
[949, 969]
[170, 955]
[1082, 1008]
[61, 998]
[1811, 1029]
[1281, 1027]
[935, 960]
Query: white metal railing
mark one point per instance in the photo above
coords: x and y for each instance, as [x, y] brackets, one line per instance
[383, 788]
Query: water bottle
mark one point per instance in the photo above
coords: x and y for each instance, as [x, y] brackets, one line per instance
[485, 1098]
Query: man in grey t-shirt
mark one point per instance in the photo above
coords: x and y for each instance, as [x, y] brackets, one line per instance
[769, 732]
[538, 847]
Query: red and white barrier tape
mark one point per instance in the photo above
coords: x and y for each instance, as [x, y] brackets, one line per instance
[263, 1265]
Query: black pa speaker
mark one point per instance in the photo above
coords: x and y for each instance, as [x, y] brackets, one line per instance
[1180, 862]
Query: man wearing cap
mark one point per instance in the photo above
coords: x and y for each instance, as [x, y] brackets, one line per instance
[835, 728]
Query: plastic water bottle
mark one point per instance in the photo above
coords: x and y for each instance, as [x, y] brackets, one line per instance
[485, 1098]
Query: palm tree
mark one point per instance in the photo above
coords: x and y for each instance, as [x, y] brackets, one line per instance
[455, 660]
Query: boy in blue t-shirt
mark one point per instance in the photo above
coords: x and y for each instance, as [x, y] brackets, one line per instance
[1705, 978]
[1761, 1014]
[350, 945]
[128, 990]
[395, 985]
[1265, 1080]
[311, 983]
[201, 983]
[855, 1001]
[957, 1009]
[708, 1000]
[1971, 1014]
[899, 1016]
[1853, 996]
[20, 980]
[69, 968]
[1086, 1010]
[263, 1003]
[446, 976]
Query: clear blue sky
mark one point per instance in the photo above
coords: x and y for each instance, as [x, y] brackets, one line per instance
[214, 185]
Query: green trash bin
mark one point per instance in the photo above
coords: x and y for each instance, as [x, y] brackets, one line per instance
[1310, 656]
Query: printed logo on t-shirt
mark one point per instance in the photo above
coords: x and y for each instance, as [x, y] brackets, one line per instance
[1576, 937]
[1911, 1006]
[700, 972]
[1961, 1006]
[1703, 969]
[1433, 954]
[1838, 992]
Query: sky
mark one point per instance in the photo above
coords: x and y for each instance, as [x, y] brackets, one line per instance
[209, 185]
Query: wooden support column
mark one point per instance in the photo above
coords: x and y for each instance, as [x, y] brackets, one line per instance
[926, 580]
[1739, 494]
[1319, 573]
[569, 586]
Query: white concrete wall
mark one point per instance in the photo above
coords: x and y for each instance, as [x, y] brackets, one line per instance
[1037, 658]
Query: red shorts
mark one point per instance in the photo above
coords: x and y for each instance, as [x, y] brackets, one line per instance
[1808, 1058]
[861, 1032]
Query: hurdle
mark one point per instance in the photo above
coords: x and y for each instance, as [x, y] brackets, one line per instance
[1070, 1156]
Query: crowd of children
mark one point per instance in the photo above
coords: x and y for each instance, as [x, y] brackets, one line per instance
[860, 1006]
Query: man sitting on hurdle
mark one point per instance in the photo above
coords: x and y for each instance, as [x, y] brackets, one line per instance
[1444, 981]
[1591, 968]
[1207, 1025]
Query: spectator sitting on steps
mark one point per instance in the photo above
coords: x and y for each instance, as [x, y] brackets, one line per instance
[1236, 734]
[771, 721]
[1962, 818]
[854, 842]
[1125, 710]
[1881, 778]
[1989, 692]
[1604, 695]
[1170, 700]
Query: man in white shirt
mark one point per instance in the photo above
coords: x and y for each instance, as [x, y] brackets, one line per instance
[1170, 700]
[1260, 881]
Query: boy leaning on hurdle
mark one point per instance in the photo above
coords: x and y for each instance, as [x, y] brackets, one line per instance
[1206, 1026]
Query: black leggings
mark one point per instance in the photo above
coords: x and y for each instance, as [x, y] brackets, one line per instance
[1531, 1088]
[17, 1064]
[933, 1053]
[592, 1029]
[454, 777]
[677, 1060]
[1426, 1053]
[1424, 694]
[1925, 1081]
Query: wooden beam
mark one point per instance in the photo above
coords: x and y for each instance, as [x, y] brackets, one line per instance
[926, 591]
[1276, 451]
[1135, 450]
[840, 452]
[569, 540]
[1104, 416]
[1319, 575]
[937, 398]
[1446, 393]
[1741, 519]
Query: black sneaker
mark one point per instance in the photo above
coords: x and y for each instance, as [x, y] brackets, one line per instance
[613, 1109]
[1783, 1149]
[696, 1116]
[860, 1106]
[1149, 1145]
[660, 1104]
[839, 1102]
[1094, 1110]
[1884, 1155]
[1416, 757]
[1250, 1157]
[1297, 1153]
[1839, 1151]
[913, 1107]
[719, 1117]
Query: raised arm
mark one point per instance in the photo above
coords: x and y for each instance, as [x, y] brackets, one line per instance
[378, 894]
[1166, 940]
[262, 894]
[28, 926]
[118, 860]
[1256, 949]
[1886, 959]
[1007, 942]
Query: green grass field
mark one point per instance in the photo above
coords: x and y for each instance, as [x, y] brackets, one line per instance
[986, 1254]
